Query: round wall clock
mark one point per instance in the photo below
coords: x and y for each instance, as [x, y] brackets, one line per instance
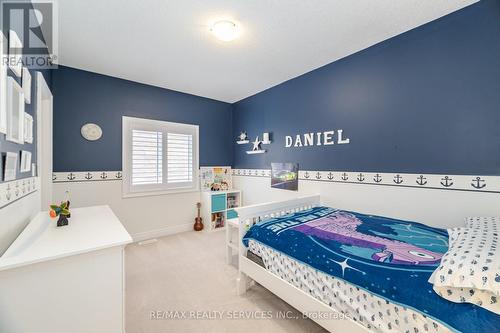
[91, 132]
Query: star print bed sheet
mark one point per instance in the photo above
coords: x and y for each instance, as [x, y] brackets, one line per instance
[389, 258]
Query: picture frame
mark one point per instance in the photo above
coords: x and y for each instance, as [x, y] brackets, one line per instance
[15, 53]
[25, 161]
[28, 128]
[26, 84]
[15, 112]
[3, 86]
[285, 176]
[10, 167]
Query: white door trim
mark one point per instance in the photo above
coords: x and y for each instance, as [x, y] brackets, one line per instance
[44, 104]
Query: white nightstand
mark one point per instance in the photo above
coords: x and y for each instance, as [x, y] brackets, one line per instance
[232, 246]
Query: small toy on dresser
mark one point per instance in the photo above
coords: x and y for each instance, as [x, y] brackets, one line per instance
[62, 211]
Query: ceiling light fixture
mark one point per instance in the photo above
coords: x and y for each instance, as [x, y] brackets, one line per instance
[225, 30]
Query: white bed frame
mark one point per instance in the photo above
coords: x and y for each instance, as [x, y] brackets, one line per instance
[249, 270]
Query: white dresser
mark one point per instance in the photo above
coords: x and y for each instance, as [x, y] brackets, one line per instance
[67, 279]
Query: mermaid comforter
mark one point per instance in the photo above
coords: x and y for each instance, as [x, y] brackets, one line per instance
[390, 258]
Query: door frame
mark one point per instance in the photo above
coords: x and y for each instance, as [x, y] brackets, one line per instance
[44, 116]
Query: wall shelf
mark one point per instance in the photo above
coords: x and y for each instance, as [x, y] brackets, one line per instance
[242, 142]
[252, 152]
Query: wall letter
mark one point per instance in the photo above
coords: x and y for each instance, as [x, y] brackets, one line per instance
[341, 140]
[308, 139]
[298, 141]
[318, 139]
[328, 138]
[288, 141]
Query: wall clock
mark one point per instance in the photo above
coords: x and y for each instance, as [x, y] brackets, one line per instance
[91, 132]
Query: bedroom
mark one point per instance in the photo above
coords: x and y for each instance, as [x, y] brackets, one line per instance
[155, 119]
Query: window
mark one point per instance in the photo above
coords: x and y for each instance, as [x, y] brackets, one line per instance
[159, 157]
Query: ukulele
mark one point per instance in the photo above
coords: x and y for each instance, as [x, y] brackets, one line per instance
[198, 221]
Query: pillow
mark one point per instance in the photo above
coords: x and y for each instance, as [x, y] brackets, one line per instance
[472, 262]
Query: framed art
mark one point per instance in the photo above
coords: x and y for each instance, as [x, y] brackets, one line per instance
[25, 161]
[15, 112]
[28, 128]
[15, 53]
[27, 85]
[285, 176]
[3, 87]
[10, 167]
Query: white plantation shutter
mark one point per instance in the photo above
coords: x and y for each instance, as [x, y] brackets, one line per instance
[179, 158]
[147, 157]
[159, 157]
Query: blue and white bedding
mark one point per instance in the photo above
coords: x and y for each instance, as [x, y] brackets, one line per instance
[390, 258]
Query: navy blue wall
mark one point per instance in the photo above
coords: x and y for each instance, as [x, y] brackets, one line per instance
[81, 97]
[427, 101]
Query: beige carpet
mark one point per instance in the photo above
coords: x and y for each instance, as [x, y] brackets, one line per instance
[187, 272]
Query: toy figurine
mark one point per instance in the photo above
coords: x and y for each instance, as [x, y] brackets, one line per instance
[62, 211]
[242, 136]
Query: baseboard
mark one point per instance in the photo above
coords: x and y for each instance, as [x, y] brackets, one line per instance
[142, 236]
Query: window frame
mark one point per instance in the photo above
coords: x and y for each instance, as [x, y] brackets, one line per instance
[132, 123]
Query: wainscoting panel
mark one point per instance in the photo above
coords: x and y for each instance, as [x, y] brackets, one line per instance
[17, 189]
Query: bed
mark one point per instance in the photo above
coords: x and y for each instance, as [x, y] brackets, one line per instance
[349, 271]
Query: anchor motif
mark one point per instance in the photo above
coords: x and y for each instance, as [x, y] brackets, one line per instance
[306, 175]
[118, 175]
[330, 176]
[263, 173]
[54, 177]
[7, 196]
[318, 175]
[104, 175]
[344, 176]
[377, 178]
[398, 179]
[239, 172]
[447, 181]
[361, 178]
[88, 176]
[478, 181]
[421, 180]
[71, 176]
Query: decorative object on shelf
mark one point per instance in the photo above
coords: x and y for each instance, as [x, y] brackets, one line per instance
[28, 128]
[285, 176]
[27, 85]
[91, 132]
[62, 211]
[25, 161]
[216, 178]
[15, 112]
[198, 221]
[3, 89]
[266, 140]
[10, 167]
[256, 149]
[218, 220]
[242, 138]
[15, 53]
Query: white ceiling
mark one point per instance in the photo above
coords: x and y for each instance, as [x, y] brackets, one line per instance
[166, 43]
